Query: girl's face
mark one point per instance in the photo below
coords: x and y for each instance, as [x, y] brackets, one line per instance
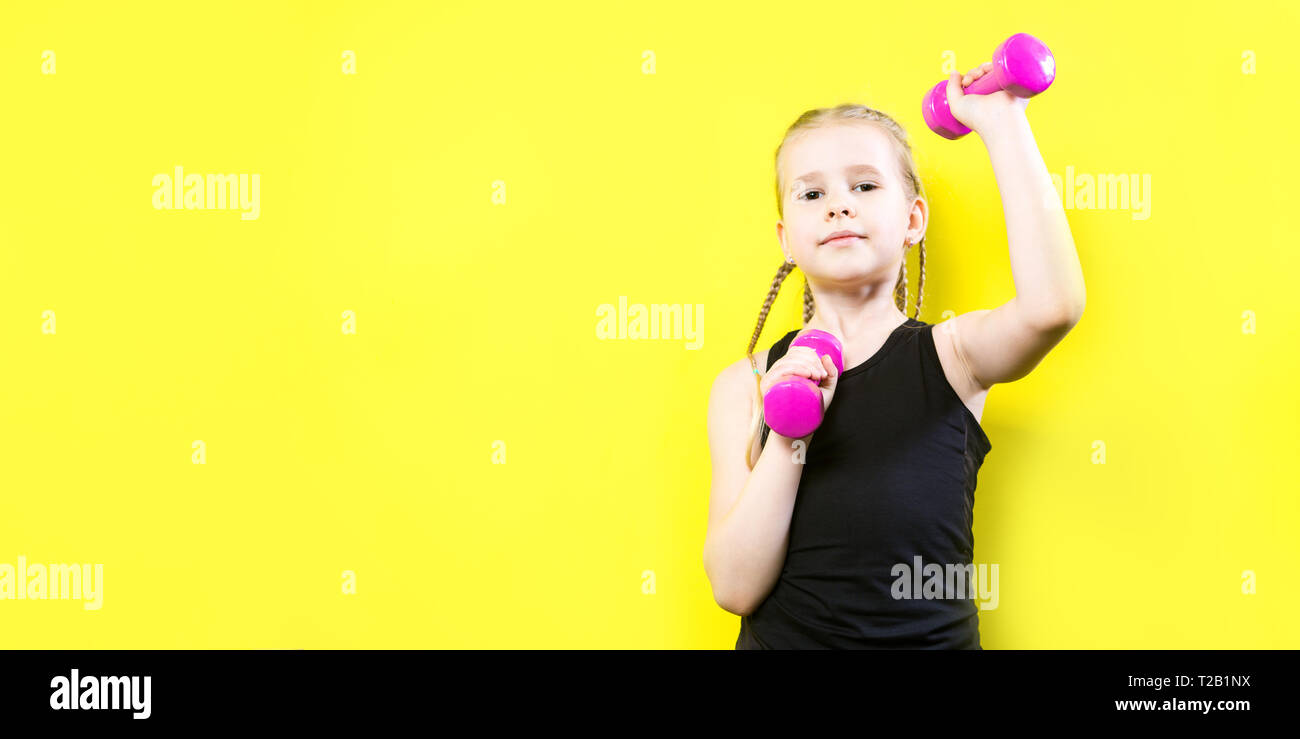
[844, 177]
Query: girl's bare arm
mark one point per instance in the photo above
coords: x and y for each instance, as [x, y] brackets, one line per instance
[1003, 344]
[749, 511]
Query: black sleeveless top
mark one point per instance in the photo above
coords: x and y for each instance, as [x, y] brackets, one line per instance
[889, 476]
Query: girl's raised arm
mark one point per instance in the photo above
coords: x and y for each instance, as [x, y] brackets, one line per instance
[1005, 343]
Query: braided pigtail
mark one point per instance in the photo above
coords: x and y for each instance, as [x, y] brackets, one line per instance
[901, 294]
[900, 286]
[755, 425]
[920, 285]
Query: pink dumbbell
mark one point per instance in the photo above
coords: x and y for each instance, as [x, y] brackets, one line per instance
[793, 407]
[1022, 65]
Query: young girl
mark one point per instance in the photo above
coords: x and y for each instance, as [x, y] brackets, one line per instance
[811, 540]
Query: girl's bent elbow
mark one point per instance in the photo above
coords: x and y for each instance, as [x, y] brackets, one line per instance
[726, 597]
[732, 606]
[727, 600]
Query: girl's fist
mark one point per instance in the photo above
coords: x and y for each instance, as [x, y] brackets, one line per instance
[802, 361]
[979, 112]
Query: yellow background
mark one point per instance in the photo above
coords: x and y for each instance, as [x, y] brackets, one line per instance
[476, 320]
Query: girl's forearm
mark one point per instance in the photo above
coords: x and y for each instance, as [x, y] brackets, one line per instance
[744, 555]
[1044, 263]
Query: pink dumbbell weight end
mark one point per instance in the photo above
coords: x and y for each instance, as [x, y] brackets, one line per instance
[793, 407]
[1022, 65]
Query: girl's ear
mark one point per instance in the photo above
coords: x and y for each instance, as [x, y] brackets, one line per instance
[917, 219]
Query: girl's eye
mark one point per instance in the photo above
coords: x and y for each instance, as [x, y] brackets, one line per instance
[805, 195]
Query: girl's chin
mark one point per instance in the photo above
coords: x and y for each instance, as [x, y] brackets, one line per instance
[835, 269]
[845, 263]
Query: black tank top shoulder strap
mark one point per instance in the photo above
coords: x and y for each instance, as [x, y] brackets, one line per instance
[779, 349]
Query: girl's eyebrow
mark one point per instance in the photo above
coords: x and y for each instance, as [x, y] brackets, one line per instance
[815, 175]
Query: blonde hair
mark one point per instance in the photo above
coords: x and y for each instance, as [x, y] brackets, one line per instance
[912, 187]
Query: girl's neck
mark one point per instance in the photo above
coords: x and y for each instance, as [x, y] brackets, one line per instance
[851, 328]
